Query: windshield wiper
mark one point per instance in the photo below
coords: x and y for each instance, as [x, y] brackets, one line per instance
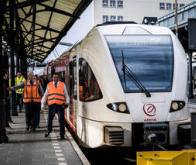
[127, 71]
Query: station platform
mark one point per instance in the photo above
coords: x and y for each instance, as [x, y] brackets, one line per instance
[33, 148]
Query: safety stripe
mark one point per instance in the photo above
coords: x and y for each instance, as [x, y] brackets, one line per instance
[32, 85]
[19, 91]
[31, 97]
[58, 94]
[56, 99]
[31, 100]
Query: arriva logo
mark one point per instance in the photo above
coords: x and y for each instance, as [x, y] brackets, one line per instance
[149, 109]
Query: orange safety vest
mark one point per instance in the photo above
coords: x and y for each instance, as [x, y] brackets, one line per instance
[56, 95]
[31, 92]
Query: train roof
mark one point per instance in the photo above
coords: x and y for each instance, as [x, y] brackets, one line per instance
[131, 29]
[119, 28]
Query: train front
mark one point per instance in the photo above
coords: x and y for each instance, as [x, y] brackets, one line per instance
[152, 68]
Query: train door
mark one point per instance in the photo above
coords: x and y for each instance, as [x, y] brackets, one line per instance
[73, 93]
[89, 91]
[194, 79]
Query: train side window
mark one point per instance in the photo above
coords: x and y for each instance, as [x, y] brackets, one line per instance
[88, 86]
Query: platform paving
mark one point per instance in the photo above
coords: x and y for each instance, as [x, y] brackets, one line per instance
[32, 148]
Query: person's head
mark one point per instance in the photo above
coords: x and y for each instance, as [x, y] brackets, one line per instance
[30, 75]
[19, 74]
[34, 77]
[55, 77]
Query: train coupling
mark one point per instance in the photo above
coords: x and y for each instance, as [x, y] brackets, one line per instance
[156, 133]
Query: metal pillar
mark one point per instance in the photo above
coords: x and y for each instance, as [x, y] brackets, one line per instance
[3, 137]
[24, 64]
[190, 76]
[23, 55]
[12, 50]
[18, 67]
[7, 98]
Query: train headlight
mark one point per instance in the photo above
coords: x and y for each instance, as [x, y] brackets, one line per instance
[118, 107]
[122, 107]
[177, 105]
[174, 106]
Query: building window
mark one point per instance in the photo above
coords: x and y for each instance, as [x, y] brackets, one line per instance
[120, 18]
[182, 16]
[105, 3]
[105, 18]
[120, 3]
[174, 6]
[182, 5]
[162, 6]
[169, 6]
[89, 89]
[112, 3]
[112, 18]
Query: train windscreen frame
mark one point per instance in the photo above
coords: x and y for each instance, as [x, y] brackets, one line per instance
[149, 57]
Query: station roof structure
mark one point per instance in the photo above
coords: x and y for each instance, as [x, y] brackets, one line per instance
[42, 22]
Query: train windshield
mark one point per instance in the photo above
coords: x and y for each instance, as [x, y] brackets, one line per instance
[150, 58]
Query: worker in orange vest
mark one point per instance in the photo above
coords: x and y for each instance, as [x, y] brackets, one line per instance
[57, 99]
[33, 92]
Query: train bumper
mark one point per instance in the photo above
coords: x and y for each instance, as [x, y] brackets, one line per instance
[95, 134]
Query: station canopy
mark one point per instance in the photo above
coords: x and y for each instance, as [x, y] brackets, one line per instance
[44, 22]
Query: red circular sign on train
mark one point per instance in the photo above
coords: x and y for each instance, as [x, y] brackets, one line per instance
[149, 109]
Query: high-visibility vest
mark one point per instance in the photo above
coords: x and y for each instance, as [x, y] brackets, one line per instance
[56, 95]
[19, 80]
[31, 92]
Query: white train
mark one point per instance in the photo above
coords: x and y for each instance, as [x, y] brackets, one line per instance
[127, 84]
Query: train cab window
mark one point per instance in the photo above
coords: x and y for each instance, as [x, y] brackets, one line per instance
[88, 86]
[148, 58]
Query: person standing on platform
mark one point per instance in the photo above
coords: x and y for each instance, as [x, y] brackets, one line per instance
[37, 112]
[19, 92]
[57, 99]
[33, 92]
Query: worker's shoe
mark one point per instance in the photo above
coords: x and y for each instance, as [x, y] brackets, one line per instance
[33, 129]
[4, 139]
[27, 128]
[62, 138]
[47, 134]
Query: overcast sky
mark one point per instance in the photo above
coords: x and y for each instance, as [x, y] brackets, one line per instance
[77, 32]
